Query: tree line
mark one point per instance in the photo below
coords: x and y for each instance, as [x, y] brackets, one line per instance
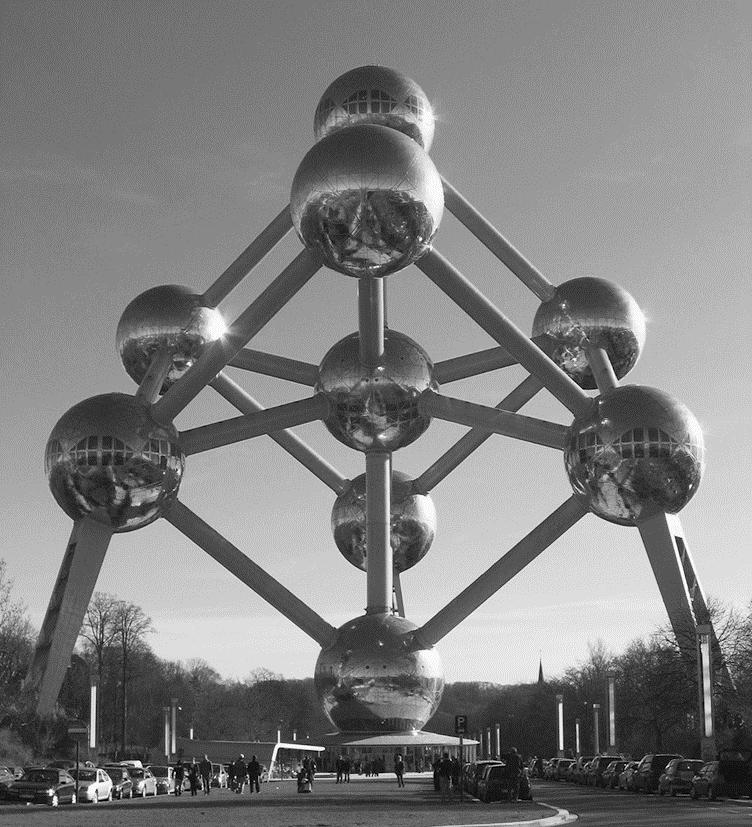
[656, 693]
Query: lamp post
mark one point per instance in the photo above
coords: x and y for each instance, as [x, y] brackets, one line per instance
[611, 713]
[705, 691]
[166, 712]
[560, 725]
[596, 728]
[173, 725]
[577, 750]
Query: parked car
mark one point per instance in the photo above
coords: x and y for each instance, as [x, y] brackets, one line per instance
[594, 773]
[494, 784]
[144, 782]
[122, 784]
[730, 775]
[94, 784]
[649, 770]
[165, 778]
[610, 777]
[578, 771]
[678, 775]
[561, 769]
[43, 785]
[474, 775]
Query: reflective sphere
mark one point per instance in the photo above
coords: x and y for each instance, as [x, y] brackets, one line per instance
[637, 453]
[169, 315]
[376, 407]
[412, 520]
[590, 311]
[108, 458]
[375, 678]
[368, 199]
[377, 95]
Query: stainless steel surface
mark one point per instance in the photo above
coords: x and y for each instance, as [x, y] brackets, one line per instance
[172, 316]
[412, 519]
[590, 311]
[379, 577]
[376, 95]
[368, 199]
[108, 458]
[374, 677]
[376, 407]
[638, 452]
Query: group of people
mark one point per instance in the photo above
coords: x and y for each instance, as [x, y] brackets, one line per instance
[342, 766]
[447, 775]
[240, 773]
[306, 774]
[199, 775]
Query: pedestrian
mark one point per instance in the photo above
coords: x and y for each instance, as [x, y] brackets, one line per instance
[193, 777]
[444, 771]
[514, 765]
[205, 768]
[346, 768]
[254, 773]
[179, 776]
[399, 769]
[241, 772]
[456, 772]
[339, 766]
[231, 775]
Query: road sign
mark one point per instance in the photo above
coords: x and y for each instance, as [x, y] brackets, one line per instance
[460, 724]
[77, 730]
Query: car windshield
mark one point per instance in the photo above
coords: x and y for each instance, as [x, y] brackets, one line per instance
[137, 773]
[42, 776]
[87, 775]
[160, 772]
[116, 773]
[689, 765]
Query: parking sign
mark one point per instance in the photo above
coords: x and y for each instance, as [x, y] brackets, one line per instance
[460, 724]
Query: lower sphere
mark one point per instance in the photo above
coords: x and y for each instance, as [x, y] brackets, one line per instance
[374, 677]
[638, 452]
[108, 459]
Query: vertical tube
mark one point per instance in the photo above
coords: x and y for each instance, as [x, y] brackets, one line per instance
[498, 741]
[379, 575]
[371, 321]
[173, 724]
[190, 733]
[488, 742]
[706, 686]
[560, 725]
[93, 713]
[166, 711]
[596, 729]
[611, 715]
[577, 749]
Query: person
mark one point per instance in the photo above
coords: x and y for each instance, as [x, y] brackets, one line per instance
[231, 775]
[339, 766]
[514, 765]
[346, 768]
[444, 771]
[254, 773]
[179, 776]
[205, 768]
[399, 769]
[193, 776]
[241, 773]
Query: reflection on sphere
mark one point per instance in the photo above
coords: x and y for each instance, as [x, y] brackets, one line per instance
[590, 311]
[412, 523]
[376, 407]
[108, 458]
[168, 315]
[637, 453]
[368, 199]
[375, 678]
[376, 95]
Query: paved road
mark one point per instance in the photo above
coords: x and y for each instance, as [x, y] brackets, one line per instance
[377, 802]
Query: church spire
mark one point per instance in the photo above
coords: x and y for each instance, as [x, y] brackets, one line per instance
[540, 671]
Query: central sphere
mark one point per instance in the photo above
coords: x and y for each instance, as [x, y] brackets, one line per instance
[170, 316]
[376, 407]
[377, 95]
[590, 312]
[368, 199]
[412, 523]
[374, 677]
[637, 452]
[108, 459]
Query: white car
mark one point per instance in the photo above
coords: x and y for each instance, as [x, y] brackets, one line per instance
[93, 785]
[144, 782]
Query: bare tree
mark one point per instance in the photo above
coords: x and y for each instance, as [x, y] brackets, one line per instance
[16, 640]
[132, 627]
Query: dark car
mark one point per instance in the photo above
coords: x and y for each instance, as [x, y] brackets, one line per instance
[43, 785]
[678, 775]
[649, 770]
[122, 783]
[610, 777]
[729, 776]
[594, 774]
[494, 784]
[474, 773]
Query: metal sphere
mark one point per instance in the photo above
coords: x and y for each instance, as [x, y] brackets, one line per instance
[107, 458]
[375, 677]
[412, 523]
[638, 452]
[368, 199]
[590, 311]
[376, 407]
[169, 315]
[376, 95]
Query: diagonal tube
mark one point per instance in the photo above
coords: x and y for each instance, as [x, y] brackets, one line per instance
[478, 307]
[490, 237]
[243, 329]
[151, 384]
[472, 440]
[250, 573]
[498, 421]
[294, 446]
[603, 370]
[471, 364]
[279, 367]
[501, 572]
[276, 230]
[265, 421]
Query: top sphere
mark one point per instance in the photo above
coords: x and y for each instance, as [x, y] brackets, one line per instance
[376, 95]
[590, 311]
[168, 315]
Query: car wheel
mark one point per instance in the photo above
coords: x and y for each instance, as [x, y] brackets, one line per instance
[143, 794]
[693, 793]
[712, 793]
[54, 801]
[660, 791]
[109, 796]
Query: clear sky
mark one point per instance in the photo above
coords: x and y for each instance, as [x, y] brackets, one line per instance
[147, 143]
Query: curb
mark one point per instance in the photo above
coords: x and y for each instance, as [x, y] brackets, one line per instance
[559, 817]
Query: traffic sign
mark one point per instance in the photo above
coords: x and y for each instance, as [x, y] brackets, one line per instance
[77, 730]
[460, 724]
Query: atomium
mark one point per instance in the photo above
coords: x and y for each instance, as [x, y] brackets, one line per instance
[108, 458]
[412, 523]
[367, 201]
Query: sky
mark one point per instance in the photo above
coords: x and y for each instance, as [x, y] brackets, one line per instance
[146, 144]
